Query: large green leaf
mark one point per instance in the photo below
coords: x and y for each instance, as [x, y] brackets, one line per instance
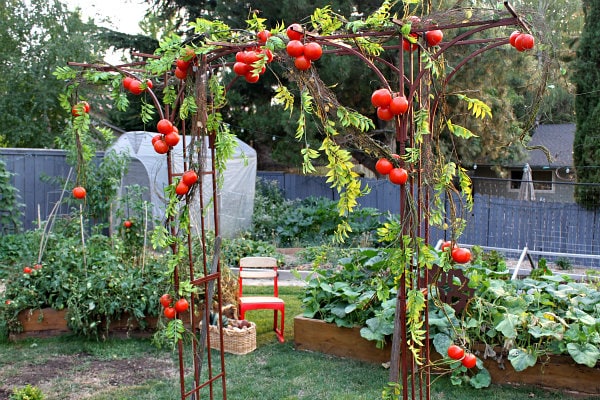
[482, 379]
[508, 325]
[521, 359]
[586, 353]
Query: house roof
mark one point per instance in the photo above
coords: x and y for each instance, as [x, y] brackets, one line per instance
[558, 139]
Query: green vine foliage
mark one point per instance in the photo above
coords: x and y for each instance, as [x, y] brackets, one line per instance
[10, 207]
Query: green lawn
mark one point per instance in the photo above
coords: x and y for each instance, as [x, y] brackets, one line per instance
[73, 368]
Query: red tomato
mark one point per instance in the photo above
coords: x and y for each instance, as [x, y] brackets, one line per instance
[181, 305]
[135, 87]
[79, 192]
[294, 48]
[433, 38]
[313, 51]
[524, 42]
[513, 37]
[127, 82]
[302, 63]
[164, 126]
[180, 74]
[384, 113]
[181, 188]
[172, 139]
[399, 105]
[384, 166]
[37, 266]
[127, 224]
[182, 64]
[189, 177]
[446, 245]
[161, 147]
[263, 36]
[269, 54]
[241, 68]
[469, 360]
[398, 176]
[295, 32]
[455, 352]
[155, 138]
[250, 57]
[240, 56]
[461, 255]
[170, 312]
[149, 84]
[251, 78]
[27, 270]
[165, 300]
[7, 302]
[381, 98]
[77, 108]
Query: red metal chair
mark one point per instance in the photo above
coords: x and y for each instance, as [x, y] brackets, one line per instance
[264, 268]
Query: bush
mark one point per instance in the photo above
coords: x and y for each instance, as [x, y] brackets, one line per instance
[27, 393]
[307, 222]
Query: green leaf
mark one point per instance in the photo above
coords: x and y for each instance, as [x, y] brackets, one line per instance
[586, 353]
[483, 378]
[508, 326]
[521, 359]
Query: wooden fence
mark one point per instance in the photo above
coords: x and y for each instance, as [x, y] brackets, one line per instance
[495, 221]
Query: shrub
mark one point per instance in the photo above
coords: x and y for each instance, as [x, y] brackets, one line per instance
[27, 393]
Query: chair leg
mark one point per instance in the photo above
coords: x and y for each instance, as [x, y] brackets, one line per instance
[279, 331]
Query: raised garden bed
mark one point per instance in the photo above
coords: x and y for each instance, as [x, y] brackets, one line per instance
[558, 373]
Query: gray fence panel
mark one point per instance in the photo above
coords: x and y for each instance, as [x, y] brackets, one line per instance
[28, 167]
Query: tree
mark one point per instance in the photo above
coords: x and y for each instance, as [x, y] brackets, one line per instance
[586, 146]
[36, 37]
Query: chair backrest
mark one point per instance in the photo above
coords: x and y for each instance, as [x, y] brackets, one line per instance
[258, 268]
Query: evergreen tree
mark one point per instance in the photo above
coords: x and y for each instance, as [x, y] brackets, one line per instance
[586, 146]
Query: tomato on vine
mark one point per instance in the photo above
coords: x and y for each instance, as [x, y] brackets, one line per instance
[79, 192]
[469, 360]
[455, 352]
[381, 98]
[384, 166]
[165, 300]
[398, 176]
[189, 177]
[313, 51]
[170, 312]
[181, 305]
[295, 32]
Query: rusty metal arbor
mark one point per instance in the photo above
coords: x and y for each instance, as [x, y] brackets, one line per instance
[196, 265]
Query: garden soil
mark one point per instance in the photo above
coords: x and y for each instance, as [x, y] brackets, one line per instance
[79, 376]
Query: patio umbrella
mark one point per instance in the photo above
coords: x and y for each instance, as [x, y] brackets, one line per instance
[526, 191]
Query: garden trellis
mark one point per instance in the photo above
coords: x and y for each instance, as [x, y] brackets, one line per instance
[195, 91]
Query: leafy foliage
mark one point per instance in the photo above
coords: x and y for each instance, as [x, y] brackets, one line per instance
[10, 208]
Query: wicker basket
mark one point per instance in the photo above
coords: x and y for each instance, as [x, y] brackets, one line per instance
[235, 340]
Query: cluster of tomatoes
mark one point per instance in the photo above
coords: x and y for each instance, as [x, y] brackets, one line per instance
[388, 106]
[83, 107]
[170, 310]
[521, 41]
[303, 53]
[189, 178]
[135, 86]
[460, 255]
[245, 60]
[168, 136]
[183, 64]
[458, 353]
[396, 175]
[28, 270]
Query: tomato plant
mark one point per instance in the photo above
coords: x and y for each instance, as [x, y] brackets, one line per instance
[79, 192]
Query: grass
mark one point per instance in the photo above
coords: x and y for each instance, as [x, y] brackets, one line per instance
[119, 369]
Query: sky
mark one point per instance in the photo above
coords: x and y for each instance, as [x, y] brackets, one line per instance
[123, 14]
